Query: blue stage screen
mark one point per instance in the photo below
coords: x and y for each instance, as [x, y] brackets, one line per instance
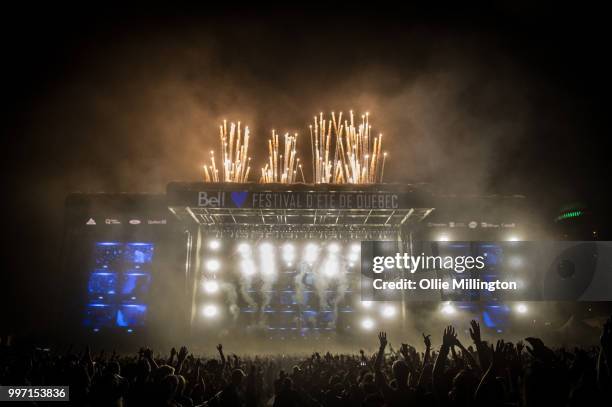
[118, 285]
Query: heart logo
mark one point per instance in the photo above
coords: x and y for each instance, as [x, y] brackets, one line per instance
[239, 197]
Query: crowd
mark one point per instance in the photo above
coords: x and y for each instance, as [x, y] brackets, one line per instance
[482, 374]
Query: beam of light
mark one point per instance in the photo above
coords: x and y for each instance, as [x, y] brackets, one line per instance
[333, 247]
[210, 311]
[311, 252]
[448, 309]
[234, 161]
[288, 253]
[388, 311]
[283, 163]
[367, 324]
[211, 286]
[247, 267]
[244, 249]
[213, 265]
[267, 259]
[521, 308]
[214, 244]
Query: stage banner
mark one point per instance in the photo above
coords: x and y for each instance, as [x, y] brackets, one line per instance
[292, 200]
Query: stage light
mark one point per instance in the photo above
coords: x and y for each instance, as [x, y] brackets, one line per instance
[266, 247]
[310, 253]
[211, 286]
[214, 244]
[331, 267]
[244, 249]
[356, 247]
[288, 253]
[247, 267]
[367, 323]
[443, 237]
[333, 247]
[513, 238]
[210, 311]
[267, 259]
[388, 311]
[366, 304]
[448, 309]
[213, 265]
[521, 308]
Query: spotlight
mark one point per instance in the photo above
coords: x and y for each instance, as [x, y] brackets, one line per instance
[367, 324]
[213, 265]
[356, 247]
[210, 311]
[288, 253]
[354, 256]
[244, 249]
[443, 237]
[247, 267]
[266, 247]
[333, 248]
[331, 267]
[513, 238]
[388, 311]
[214, 244]
[521, 308]
[366, 304]
[448, 309]
[311, 253]
[211, 286]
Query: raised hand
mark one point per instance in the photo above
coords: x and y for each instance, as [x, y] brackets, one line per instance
[449, 338]
[538, 350]
[427, 341]
[220, 348]
[382, 339]
[497, 354]
[519, 347]
[475, 331]
[182, 353]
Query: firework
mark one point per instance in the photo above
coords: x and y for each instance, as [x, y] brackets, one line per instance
[282, 166]
[235, 162]
[345, 153]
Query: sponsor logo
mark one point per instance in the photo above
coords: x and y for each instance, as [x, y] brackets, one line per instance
[473, 224]
[112, 221]
[134, 221]
[211, 201]
[91, 222]
[156, 221]
[239, 197]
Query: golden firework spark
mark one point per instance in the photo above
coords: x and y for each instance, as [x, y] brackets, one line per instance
[235, 162]
[282, 167]
[357, 157]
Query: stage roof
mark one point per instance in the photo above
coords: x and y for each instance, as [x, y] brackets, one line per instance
[320, 206]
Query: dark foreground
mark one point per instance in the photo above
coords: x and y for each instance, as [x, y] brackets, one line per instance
[482, 374]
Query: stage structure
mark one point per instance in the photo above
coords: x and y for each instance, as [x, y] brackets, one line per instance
[282, 261]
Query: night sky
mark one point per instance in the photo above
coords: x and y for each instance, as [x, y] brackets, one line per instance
[486, 99]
